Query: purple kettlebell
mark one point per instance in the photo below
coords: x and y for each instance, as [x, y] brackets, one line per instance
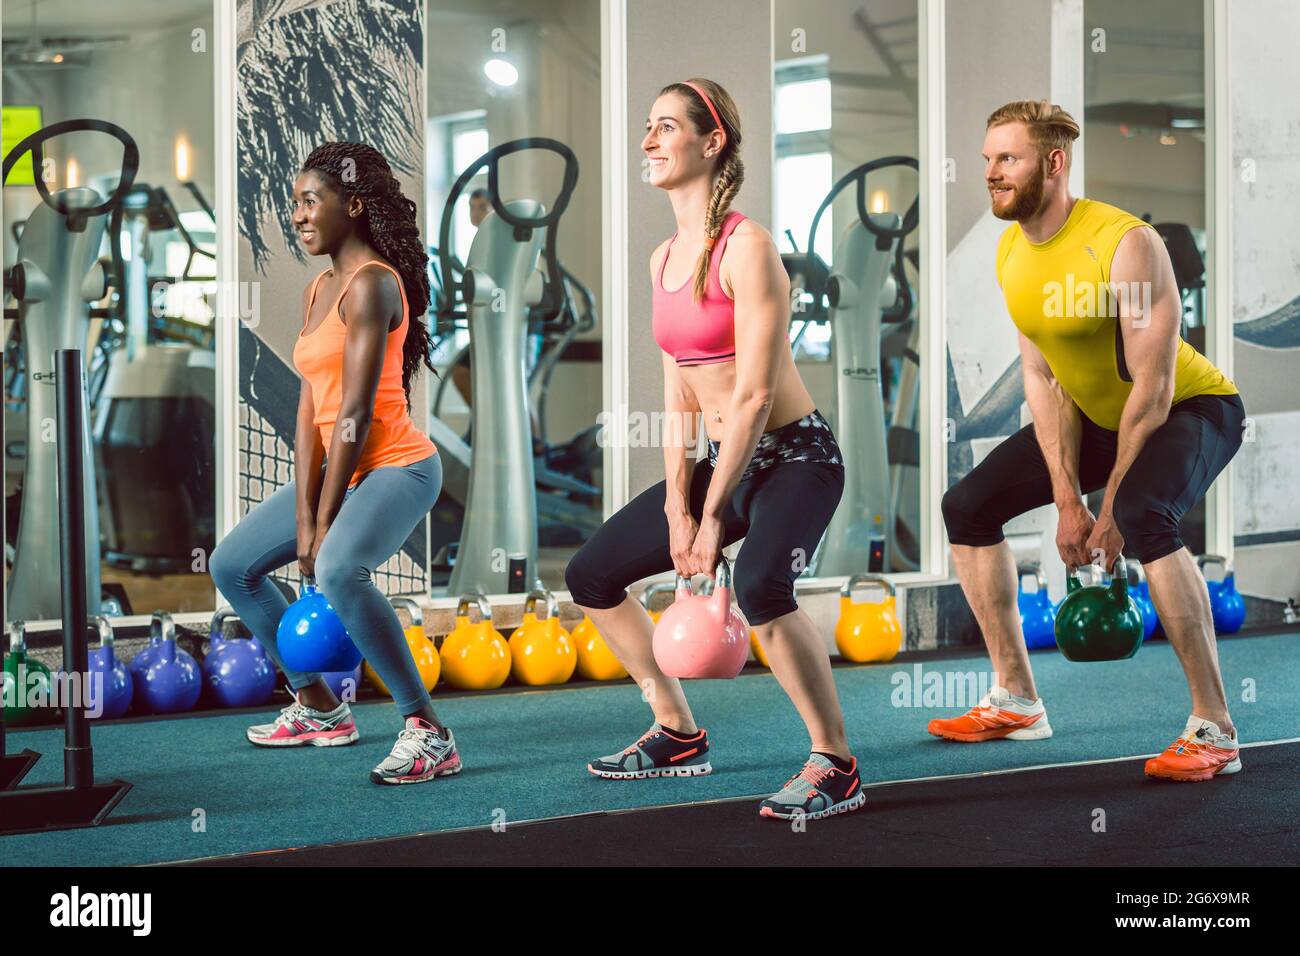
[238, 672]
[171, 681]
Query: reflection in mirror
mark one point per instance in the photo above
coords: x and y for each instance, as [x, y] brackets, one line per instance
[1144, 144]
[514, 411]
[846, 215]
[133, 288]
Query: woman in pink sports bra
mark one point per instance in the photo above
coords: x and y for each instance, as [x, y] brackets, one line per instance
[365, 475]
[773, 475]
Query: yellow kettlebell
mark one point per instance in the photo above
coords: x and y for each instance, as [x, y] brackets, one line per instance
[474, 656]
[647, 597]
[423, 651]
[868, 630]
[541, 652]
[595, 660]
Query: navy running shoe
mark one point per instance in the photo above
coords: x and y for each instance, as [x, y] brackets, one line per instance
[657, 754]
[818, 790]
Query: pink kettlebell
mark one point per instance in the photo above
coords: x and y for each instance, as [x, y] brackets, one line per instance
[702, 636]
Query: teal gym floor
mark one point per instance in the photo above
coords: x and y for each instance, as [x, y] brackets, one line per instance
[525, 753]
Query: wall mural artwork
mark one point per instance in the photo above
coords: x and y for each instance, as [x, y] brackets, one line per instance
[312, 71]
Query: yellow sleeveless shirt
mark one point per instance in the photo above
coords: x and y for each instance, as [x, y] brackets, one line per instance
[1059, 296]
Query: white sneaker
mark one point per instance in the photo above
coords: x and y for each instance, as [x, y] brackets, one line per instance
[299, 725]
[996, 717]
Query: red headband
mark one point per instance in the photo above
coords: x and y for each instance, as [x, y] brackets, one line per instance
[709, 103]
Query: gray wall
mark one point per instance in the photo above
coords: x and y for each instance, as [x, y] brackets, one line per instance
[985, 390]
[729, 41]
[1264, 72]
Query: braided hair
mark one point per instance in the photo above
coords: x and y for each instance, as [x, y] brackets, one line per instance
[730, 170]
[389, 225]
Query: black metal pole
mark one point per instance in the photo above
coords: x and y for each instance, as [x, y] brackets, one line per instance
[78, 763]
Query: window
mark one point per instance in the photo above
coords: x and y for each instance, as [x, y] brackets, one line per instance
[804, 173]
[453, 143]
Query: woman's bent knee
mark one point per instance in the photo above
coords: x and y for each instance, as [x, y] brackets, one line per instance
[588, 586]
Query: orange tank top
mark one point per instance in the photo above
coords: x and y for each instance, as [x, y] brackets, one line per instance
[393, 438]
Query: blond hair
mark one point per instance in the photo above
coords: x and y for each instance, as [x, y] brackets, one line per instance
[731, 171]
[1050, 127]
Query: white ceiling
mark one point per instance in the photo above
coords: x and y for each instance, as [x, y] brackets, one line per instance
[83, 18]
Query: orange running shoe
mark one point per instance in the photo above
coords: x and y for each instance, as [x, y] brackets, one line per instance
[997, 716]
[1203, 751]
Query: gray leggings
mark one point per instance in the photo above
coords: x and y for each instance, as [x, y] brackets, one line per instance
[377, 516]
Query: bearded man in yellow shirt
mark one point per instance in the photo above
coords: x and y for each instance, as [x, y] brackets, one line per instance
[1120, 402]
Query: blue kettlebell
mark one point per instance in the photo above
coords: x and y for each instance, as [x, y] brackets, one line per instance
[140, 663]
[345, 684]
[171, 680]
[1037, 615]
[119, 686]
[311, 638]
[1141, 595]
[238, 672]
[1226, 602]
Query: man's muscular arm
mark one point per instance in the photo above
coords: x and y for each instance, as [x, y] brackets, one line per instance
[1150, 312]
[1058, 428]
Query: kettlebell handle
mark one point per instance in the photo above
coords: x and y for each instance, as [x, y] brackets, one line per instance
[1203, 559]
[17, 637]
[105, 630]
[1136, 573]
[412, 607]
[648, 594]
[722, 576]
[1119, 577]
[552, 605]
[216, 627]
[1033, 569]
[474, 597]
[861, 578]
[161, 627]
[1118, 570]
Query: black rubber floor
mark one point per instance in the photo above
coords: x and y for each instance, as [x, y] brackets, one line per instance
[1098, 815]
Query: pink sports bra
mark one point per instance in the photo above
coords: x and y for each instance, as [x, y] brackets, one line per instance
[703, 334]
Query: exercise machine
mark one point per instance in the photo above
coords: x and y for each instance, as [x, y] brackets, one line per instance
[500, 283]
[875, 527]
[57, 275]
[155, 408]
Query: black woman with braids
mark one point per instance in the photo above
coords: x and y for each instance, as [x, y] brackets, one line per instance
[365, 475]
[773, 476]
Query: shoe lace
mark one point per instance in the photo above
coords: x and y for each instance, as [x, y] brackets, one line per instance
[1192, 744]
[412, 741]
[811, 774]
[291, 713]
[652, 732]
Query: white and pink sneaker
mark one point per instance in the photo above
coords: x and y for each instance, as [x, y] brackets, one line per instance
[299, 726]
[421, 753]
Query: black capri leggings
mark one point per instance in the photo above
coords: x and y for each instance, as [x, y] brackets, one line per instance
[1170, 474]
[781, 507]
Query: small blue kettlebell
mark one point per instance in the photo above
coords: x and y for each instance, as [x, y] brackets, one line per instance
[1037, 615]
[1226, 602]
[311, 637]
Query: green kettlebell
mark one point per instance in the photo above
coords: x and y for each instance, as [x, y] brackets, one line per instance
[1099, 623]
[26, 683]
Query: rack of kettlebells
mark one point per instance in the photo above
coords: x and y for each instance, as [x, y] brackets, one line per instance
[179, 663]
